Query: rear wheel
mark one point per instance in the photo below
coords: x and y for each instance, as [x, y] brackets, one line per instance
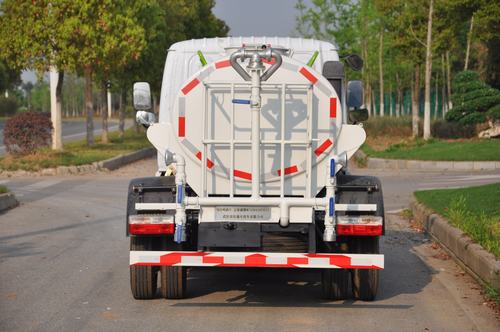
[173, 282]
[143, 279]
[365, 281]
[335, 284]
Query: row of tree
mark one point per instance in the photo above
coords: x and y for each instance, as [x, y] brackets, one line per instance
[121, 41]
[400, 39]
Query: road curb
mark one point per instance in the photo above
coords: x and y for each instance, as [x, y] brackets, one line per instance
[104, 165]
[471, 256]
[431, 165]
[7, 201]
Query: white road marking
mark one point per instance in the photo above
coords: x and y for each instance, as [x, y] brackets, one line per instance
[39, 185]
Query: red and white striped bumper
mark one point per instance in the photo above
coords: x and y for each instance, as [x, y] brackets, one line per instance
[249, 259]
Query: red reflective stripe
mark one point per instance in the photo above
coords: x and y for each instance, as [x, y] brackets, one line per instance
[190, 86]
[222, 64]
[270, 62]
[297, 260]
[210, 163]
[139, 229]
[289, 170]
[322, 148]
[243, 175]
[363, 230]
[333, 107]
[213, 259]
[176, 257]
[313, 79]
[255, 260]
[182, 126]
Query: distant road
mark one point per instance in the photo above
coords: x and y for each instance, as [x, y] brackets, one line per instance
[73, 130]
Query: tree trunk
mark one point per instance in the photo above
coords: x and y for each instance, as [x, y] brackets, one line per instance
[415, 98]
[89, 106]
[374, 107]
[366, 74]
[368, 99]
[469, 40]
[381, 72]
[444, 105]
[56, 84]
[448, 78]
[436, 95]
[399, 98]
[104, 113]
[122, 103]
[391, 111]
[428, 73]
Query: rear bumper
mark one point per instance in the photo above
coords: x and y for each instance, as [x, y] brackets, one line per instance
[257, 259]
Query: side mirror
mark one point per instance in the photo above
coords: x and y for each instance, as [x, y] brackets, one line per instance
[358, 115]
[354, 61]
[142, 96]
[145, 118]
[354, 94]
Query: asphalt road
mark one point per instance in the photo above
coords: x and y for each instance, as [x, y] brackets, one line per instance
[71, 130]
[64, 266]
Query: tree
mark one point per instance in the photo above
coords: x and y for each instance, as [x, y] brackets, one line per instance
[31, 39]
[165, 22]
[87, 36]
[8, 77]
[473, 100]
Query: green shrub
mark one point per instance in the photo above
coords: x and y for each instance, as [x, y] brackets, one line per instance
[388, 126]
[8, 106]
[472, 119]
[472, 98]
[446, 129]
[494, 112]
[26, 132]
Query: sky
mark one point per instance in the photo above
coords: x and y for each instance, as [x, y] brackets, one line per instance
[258, 17]
[247, 18]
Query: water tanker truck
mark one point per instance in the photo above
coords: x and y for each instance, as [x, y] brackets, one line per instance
[253, 138]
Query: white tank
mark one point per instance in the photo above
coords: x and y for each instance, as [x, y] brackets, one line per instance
[210, 106]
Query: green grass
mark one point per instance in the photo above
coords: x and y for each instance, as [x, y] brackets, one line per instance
[3, 190]
[465, 150]
[77, 153]
[475, 210]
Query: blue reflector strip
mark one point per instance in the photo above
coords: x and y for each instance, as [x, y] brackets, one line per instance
[241, 101]
[179, 194]
[332, 168]
[331, 210]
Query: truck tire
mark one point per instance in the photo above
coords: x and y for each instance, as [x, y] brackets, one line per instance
[365, 281]
[173, 282]
[335, 283]
[143, 279]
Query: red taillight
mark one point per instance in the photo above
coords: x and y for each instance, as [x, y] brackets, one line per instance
[141, 229]
[142, 224]
[362, 230]
[360, 225]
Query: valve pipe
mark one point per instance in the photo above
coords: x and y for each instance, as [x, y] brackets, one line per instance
[329, 233]
[255, 67]
[180, 210]
[255, 106]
